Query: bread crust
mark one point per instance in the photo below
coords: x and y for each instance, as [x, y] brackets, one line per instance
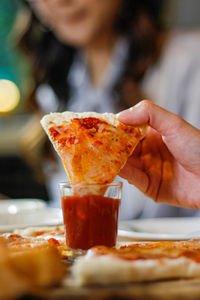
[57, 119]
[105, 270]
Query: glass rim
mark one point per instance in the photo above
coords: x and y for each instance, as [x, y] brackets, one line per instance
[116, 183]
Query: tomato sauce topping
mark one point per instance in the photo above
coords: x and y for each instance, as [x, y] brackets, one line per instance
[89, 123]
[154, 250]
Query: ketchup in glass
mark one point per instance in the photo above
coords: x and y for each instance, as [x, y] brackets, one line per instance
[90, 220]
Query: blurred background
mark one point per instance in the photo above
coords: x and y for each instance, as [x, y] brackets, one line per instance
[29, 168]
[17, 176]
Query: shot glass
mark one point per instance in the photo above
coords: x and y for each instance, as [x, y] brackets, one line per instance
[90, 213]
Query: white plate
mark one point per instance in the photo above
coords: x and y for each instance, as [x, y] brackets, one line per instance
[42, 217]
[15, 206]
[161, 229]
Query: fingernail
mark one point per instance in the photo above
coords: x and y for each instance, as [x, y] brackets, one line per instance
[135, 106]
[129, 109]
[121, 112]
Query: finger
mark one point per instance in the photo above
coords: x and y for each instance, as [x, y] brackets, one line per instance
[146, 112]
[135, 162]
[137, 149]
[136, 177]
[176, 133]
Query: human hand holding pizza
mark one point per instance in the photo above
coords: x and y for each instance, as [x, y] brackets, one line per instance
[166, 164]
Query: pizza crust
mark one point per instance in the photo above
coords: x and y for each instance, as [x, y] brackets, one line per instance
[57, 119]
[29, 231]
[107, 270]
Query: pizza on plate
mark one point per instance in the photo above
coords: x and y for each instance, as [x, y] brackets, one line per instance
[93, 147]
[138, 262]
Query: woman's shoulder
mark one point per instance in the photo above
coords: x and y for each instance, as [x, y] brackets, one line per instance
[177, 72]
[182, 45]
[180, 53]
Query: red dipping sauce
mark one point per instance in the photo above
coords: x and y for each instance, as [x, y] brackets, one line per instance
[90, 220]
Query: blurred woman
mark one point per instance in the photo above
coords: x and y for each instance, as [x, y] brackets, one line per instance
[91, 55]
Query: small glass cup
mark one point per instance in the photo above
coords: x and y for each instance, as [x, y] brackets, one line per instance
[90, 213]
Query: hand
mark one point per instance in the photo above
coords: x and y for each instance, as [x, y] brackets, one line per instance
[166, 164]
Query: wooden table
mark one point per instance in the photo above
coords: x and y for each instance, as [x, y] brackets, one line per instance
[166, 290]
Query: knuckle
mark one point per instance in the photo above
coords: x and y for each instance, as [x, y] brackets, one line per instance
[146, 104]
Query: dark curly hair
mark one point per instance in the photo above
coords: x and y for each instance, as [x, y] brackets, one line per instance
[138, 20]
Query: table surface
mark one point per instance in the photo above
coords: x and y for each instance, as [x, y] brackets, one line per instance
[170, 289]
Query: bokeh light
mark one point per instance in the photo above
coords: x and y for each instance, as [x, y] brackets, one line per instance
[9, 96]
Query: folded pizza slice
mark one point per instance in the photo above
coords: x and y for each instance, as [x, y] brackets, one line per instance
[93, 147]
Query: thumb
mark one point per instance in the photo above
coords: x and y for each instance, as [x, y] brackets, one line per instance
[178, 135]
[146, 112]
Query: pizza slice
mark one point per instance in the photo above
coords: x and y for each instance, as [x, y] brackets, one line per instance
[35, 237]
[27, 268]
[12, 285]
[138, 262]
[93, 147]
